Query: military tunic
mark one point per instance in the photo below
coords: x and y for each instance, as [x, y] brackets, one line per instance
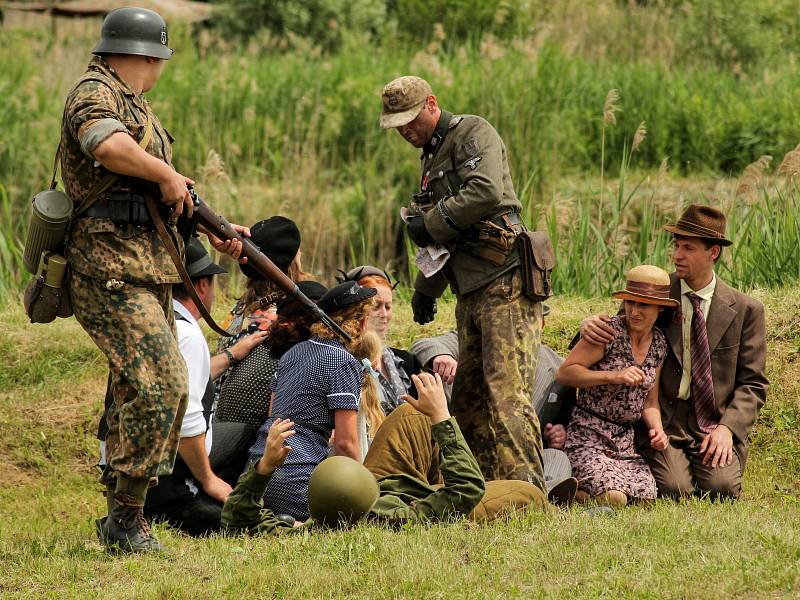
[466, 178]
[120, 280]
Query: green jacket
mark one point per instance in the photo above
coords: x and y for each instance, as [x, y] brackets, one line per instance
[402, 499]
[466, 177]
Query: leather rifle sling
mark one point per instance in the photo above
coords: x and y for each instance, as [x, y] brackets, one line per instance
[172, 250]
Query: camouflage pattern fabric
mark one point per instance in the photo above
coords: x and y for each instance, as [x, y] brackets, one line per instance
[100, 104]
[499, 333]
[134, 326]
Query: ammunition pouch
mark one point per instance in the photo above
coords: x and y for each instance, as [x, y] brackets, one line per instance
[123, 208]
[46, 296]
[538, 259]
[492, 240]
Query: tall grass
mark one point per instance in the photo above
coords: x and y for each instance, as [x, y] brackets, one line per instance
[296, 133]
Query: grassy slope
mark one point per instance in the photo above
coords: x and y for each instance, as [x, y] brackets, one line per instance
[53, 382]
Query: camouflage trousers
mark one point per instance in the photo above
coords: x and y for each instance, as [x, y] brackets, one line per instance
[499, 332]
[135, 328]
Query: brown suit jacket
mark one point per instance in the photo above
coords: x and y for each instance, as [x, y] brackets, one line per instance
[737, 341]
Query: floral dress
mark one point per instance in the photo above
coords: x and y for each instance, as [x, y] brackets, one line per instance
[600, 436]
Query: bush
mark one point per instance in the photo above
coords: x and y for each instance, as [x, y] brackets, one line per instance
[323, 22]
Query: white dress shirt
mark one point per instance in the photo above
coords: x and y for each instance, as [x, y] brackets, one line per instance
[194, 349]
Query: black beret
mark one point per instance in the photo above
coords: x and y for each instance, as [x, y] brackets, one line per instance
[344, 294]
[278, 238]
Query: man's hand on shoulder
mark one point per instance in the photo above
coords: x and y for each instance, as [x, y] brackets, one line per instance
[597, 330]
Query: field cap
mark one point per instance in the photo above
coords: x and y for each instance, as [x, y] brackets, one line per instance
[647, 284]
[343, 295]
[403, 99]
[198, 261]
[278, 238]
[701, 222]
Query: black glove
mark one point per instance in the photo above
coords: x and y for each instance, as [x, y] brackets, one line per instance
[418, 232]
[424, 308]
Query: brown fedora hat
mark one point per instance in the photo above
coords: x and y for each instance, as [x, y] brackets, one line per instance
[701, 222]
[649, 285]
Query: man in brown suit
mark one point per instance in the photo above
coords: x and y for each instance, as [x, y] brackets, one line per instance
[712, 382]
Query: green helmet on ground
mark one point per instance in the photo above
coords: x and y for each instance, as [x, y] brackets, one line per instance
[132, 30]
[341, 491]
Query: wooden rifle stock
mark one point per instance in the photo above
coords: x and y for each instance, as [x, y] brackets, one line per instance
[220, 227]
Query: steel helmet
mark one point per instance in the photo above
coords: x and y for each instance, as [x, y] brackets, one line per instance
[341, 491]
[132, 30]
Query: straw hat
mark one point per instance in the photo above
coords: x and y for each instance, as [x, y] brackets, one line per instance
[647, 284]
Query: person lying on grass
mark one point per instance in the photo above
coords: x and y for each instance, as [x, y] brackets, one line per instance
[618, 385]
[344, 488]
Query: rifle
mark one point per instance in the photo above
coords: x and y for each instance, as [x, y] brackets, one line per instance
[220, 227]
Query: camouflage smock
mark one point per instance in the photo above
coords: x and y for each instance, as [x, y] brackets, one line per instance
[99, 105]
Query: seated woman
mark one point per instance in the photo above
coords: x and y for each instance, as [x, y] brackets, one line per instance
[394, 366]
[617, 385]
[370, 412]
[243, 390]
[318, 386]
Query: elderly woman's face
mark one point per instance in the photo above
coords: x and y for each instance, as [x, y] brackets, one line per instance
[640, 316]
[381, 317]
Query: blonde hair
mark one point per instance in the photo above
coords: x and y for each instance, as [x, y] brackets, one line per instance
[349, 319]
[369, 347]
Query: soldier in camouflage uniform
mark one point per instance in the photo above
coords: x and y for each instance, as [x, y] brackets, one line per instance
[467, 203]
[120, 273]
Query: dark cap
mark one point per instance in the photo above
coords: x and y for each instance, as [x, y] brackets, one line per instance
[545, 310]
[343, 295]
[313, 290]
[198, 261]
[278, 238]
[358, 273]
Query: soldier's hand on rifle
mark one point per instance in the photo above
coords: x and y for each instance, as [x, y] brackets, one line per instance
[232, 248]
[431, 400]
[276, 451]
[175, 192]
[423, 307]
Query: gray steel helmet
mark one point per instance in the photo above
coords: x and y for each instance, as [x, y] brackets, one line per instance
[341, 491]
[133, 30]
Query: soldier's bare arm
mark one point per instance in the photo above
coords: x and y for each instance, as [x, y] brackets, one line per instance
[120, 154]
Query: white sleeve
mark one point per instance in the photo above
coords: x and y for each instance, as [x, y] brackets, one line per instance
[194, 349]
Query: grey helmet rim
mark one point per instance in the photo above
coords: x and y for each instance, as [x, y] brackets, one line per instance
[136, 31]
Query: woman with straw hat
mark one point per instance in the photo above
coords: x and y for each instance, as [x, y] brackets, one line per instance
[617, 385]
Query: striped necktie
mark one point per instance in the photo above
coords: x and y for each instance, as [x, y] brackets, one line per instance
[702, 384]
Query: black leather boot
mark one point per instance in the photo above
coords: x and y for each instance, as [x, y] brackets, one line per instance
[125, 529]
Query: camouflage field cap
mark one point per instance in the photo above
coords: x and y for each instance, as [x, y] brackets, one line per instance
[403, 99]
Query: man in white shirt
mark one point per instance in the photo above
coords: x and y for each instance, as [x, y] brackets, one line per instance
[191, 498]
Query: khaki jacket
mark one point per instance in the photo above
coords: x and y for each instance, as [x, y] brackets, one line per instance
[467, 174]
[737, 341]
